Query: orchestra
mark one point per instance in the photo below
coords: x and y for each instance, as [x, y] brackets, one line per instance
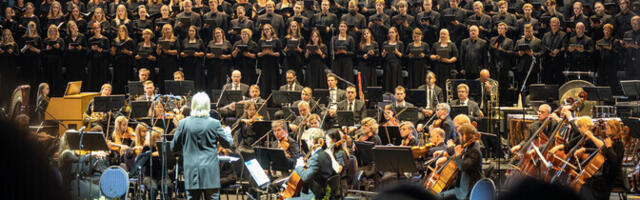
[324, 86]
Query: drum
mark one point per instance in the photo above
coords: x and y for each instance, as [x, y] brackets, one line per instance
[114, 182]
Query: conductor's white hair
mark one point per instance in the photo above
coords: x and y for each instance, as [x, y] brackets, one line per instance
[200, 105]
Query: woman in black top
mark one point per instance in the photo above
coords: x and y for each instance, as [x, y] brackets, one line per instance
[27, 17]
[121, 18]
[122, 51]
[191, 54]
[98, 58]
[607, 49]
[167, 54]
[42, 101]
[392, 65]
[52, 59]
[9, 58]
[444, 54]
[30, 51]
[75, 16]
[417, 53]
[145, 52]
[368, 58]
[55, 15]
[294, 54]
[343, 47]
[99, 17]
[75, 56]
[268, 59]
[244, 54]
[315, 52]
[218, 59]
[165, 18]
[141, 23]
[9, 22]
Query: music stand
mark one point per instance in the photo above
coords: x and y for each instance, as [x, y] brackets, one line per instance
[140, 109]
[631, 88]
[345, 118]
[287, 111]
[418, 97]
[599, 93]
[260, 128]
[284, 97]
[633, 124]
[73, 87]
[390, 135]
[91, 141]
[229, 96]
[543, 92]
[259, 177]
[456, 110]
[135, 88]
[410, 114]
[272, 158]
[108, 103]
[179, 88]
[364, 152]
[323, 94]
[402, 159]
[374, 94]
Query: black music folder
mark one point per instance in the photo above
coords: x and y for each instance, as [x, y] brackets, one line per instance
[108, 103]
[91, 141]
[364, 152]
[401, 156]
[390, 135]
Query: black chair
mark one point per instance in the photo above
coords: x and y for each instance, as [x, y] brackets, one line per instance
[336, 189]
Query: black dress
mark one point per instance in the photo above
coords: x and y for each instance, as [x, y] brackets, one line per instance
[123, 64]
[343, 63]
[607, 75]
[294, 59]
[246, 65]
[316, 76]
[75, 59]
[417, 66]
[52, 68]
[441, 69]
[270, 66]
[168, 63]
[9, 72]
[217, 69]
[192, 66]
[392, 67]
[98, 63]
[144, 61]
[367, 66]
[31, 62]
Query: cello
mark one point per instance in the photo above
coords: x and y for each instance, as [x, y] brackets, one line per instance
[295, 183]
[444, 177]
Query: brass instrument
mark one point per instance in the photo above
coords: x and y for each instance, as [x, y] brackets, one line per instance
[94, 117]
[448, 88]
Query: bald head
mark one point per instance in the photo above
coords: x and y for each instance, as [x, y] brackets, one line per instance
[236, 75]
[484, 75]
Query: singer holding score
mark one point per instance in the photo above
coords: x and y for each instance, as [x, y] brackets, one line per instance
[197, 137]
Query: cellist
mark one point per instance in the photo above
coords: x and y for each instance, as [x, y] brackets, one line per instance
[544, 112]
[468, 159]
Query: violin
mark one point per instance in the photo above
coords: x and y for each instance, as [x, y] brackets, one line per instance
[130, 134]
[284, 145]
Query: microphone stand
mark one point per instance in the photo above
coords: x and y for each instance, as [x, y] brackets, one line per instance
[522, 89]
[221, 93]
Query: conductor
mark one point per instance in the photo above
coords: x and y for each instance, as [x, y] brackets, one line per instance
[197, 137]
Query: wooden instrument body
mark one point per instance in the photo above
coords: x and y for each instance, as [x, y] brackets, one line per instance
[589, 170]
[442, 178]
[528, 164]
[294, 186]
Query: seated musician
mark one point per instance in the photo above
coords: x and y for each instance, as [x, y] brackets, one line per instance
[292, 83]
[544, 111]
[42, 101]
[406, 132]
[368, 131]
[67, 161]
[246, 137]
[98, 118]
[300, 121]
[149, 91]
[436, 139]
[463, 100]
[313, 121]
[433, 94]
[390, 116]
[143, 75]
[350, 104]
[318, 169]
[468, 159]
[335, 94]
[122, 136]
[178, 76]
[152, 179]
[236, 85]
[307, 96]
[489, 87]
[442, 120]
[254, 96]
[337, 150]
[400, 95]
[284, 142]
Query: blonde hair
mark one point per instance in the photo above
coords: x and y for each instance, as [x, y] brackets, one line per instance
[273, 33]
[126, 31]
[147, 31]
[126, 17]
[10, 40]
[53, 26]
[297, 33]
[172, 37]
[32, 32]
[222, 33]
[448, 36]
[52, 15]
[397, 38]
[141, 134]
[117, 133]
[584, 122]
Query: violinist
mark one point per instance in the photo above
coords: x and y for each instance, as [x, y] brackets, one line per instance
[390, 116]
[304, 110]
[122, 135]
[368, 131]
[152, 174]
[254, 97]
[337, 150]
[408, 137]
[468, 159]
[246, 137]
[442, 120]
[284, 142]
[433, 93]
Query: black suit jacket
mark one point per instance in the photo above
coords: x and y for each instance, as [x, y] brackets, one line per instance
[340, 96]
[244, 88]
[297, 87]
[319, 171]
[359, 110]
[474, 110]
[438, 93]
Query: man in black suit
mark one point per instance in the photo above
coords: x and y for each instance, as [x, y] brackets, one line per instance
[401, 93]
[194, 19]
[351, 104]
[463, 100]
[307, 96]
[488, 87]
[433, 93]
[276, 20]
[236, 85]
[318, 171]
[292, 84]
[335, 94]
[201, 167]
